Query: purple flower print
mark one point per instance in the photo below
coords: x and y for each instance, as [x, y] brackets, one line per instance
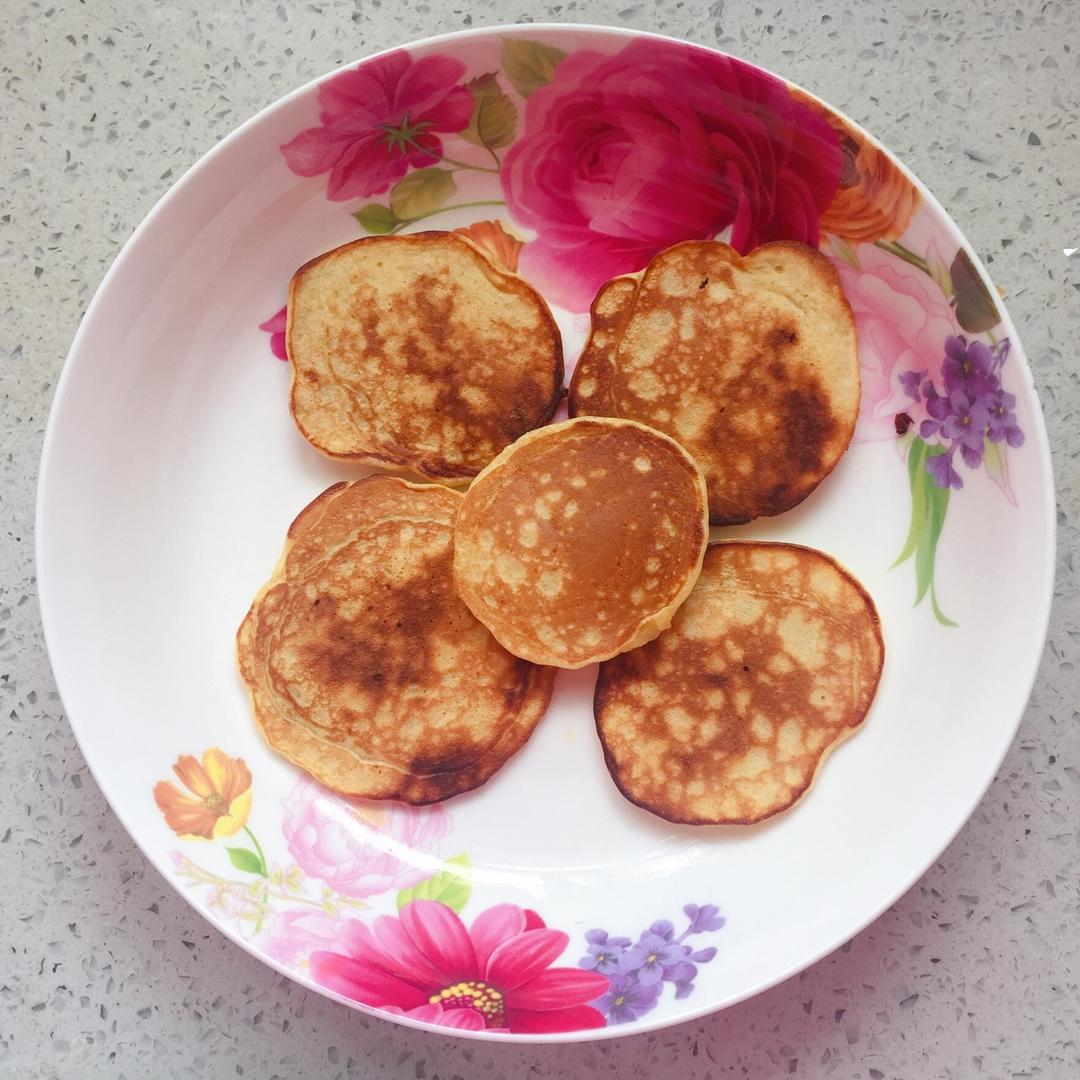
[1001, 354]
[970, 408]
[960, 410]
[650, 956]
[1002, 424]
[966, 425]
[638, 972]
[704, 918]
[682, 975]
[910, 381]
[604, 952]
[937, 408]
[966, 366]
[966, 421]
[627, 999]
[940, 467]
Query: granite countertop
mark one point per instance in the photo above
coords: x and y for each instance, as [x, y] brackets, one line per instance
[107, 972]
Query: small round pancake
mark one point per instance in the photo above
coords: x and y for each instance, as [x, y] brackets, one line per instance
[726, 717]
[363, 666]
[751, 363]
[581, 540]
[417, 352]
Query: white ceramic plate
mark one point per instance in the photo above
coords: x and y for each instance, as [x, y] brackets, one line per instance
[172, 469]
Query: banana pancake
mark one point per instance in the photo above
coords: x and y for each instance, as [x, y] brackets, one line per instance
[363, 666]
[726, 718]
[417, 352]
[581, 540]
[750, 362]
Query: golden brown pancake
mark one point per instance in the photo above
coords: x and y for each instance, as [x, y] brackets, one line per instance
[592, 384]
[581, 540]
[417, 352]
[365, 669]
[751, 363]
[726, 717]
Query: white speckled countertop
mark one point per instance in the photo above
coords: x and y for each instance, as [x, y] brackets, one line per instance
[105, 972]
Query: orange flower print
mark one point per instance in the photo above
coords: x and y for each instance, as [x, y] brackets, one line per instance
[220, 798]
[874, 201]
[501, 247]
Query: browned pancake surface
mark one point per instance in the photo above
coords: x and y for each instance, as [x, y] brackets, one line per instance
[725, 718]
[365, 668]
[751, 363]
[592, 385]
[418, 353]
[581, 540]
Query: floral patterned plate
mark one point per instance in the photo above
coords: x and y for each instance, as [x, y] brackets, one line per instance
[544, 905]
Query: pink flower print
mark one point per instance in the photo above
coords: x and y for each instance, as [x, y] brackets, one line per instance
[360, 848]
[379, 120]
[275, 327]
[427, 964]
[292, 936]
[902, 319]
[462, 1019]
[622, 156]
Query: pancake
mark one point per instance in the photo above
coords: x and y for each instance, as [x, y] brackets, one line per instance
[581, 540]
[592, 385]
[363, 666]
[751, 363]
[419, 353]
[726, 717]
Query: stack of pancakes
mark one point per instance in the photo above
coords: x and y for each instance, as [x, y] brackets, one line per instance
[406, 644]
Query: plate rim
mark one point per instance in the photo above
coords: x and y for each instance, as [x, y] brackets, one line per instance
[1032, 662]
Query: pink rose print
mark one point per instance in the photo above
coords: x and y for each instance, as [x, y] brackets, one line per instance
[292, 936]
[902, 319]
[494, 974]
[379, 120]
[359, 848]
[275, 327]
[625, 155]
